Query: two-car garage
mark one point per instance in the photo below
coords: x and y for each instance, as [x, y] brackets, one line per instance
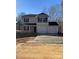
[50, 27]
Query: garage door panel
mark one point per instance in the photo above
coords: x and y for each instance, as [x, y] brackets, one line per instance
[42, 29]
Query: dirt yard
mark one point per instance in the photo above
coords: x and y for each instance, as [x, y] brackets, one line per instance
[26, 50]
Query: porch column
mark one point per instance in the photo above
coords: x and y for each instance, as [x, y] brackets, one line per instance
[29, 28]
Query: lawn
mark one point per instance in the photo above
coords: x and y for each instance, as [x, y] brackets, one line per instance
[29, 48]
[39, 51]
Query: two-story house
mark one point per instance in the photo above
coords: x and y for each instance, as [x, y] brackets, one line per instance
[38, 23]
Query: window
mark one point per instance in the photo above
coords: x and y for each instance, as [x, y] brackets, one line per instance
[42, 19]
[26, 19]
[45, 20]
[39, 19]
[26, 28]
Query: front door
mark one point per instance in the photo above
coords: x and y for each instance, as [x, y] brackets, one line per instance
[34, 29]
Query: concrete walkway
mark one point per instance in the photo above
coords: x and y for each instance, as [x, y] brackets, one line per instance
[47, 39]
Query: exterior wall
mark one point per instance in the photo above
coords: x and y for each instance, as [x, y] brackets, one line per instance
[32, 19]
[31, 28]
[42, 27]
[53, 29]
[22, 28]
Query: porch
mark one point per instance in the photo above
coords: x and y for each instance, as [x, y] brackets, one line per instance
[29, 28]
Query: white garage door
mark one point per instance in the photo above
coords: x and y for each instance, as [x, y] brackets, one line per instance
[52, 29]
[42, 29]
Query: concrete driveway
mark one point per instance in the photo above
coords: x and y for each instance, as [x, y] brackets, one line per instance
[47, 39]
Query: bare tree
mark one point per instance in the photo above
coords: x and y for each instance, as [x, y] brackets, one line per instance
[18, 19]
[52, 12]
[56, 12]
[20, 15]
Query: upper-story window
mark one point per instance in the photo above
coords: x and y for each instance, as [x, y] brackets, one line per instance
[39, 19]
[26, 19]
[44, 19]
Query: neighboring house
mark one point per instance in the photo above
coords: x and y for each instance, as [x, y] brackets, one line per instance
[60, 27]
[38, 23]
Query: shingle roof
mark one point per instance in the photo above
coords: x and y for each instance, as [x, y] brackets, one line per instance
[34, 15]
[30, 15]
[43, 14]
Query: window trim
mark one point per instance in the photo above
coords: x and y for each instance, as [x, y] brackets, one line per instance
[44, 19]
[26, 19]
[39, 20]
[26, 28]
